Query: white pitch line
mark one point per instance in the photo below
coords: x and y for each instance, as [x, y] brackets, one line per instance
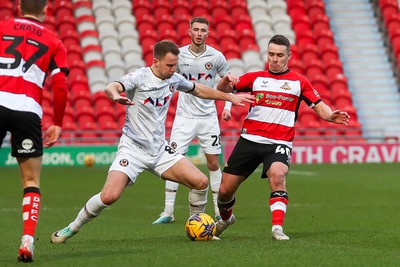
[303, 173]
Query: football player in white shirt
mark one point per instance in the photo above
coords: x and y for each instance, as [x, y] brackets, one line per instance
[196, 117]
[142, 145]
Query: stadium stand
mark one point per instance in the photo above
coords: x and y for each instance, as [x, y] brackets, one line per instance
[107, 38]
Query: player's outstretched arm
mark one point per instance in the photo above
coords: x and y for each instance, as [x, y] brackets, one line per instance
[113, 92]
[227, 82]
[336, 116]
[206, 92]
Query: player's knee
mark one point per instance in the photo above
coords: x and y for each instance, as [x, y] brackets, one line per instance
[201, 184]
[225, 192]
[108, 198]
[277, 174]
[213, 165]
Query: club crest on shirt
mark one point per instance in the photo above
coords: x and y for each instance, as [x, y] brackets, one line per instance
[208, 65]
[124, 162]
[286, 86]
[171, 88]
[174, 145]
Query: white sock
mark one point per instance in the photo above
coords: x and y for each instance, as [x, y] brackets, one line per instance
[197, 200]
[171, 188]
[91, 210]
[215, 182]
[277, 227]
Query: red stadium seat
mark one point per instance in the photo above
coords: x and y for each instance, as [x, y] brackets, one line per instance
[296, 8]
[50, 23]
[247, 40]
[200, 8]
[241, 22]
[82, 98]
[63, 8]
[337, 83]
[222, 24]
[329, 52]
[295, 52]
[388, 7]
[145, 23]
[342, 98]
[84, 114]
[352, 129]
[304, 38]
[320, 22]
[324, 37]
[104, 114]
[70, 38]
[164, 22]
[161, 8]
[100, 100]
[313, 67]
[333, 68]
[300, 23]
[315, 7]
[141, 7]
[296, 65]
[309, 52]
[227, 37]
[231, 50]
[392, 21]
[312, 128]
[181, 7]
[319, 82]
[219, 8]
[169, 34]
[237, 8]
[66, 23]
[78, 83]
[330, 129]
[7, 11]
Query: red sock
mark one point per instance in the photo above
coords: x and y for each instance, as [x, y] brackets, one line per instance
[278, 203]
[226, 208]
[30, 210]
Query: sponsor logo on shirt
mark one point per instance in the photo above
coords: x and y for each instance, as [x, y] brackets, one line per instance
[157, 102]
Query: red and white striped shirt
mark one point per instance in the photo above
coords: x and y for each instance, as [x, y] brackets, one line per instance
[277, 98]
[28, 51]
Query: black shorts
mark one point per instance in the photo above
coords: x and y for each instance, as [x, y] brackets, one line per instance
[26, 132]
[247, 156]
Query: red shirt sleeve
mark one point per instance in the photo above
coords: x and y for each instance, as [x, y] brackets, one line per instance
[60, 96]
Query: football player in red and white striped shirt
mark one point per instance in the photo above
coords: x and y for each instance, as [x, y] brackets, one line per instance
[29, 52]
[268, 131]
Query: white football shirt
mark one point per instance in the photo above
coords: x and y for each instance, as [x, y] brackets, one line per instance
[202, 68]
[145, 121]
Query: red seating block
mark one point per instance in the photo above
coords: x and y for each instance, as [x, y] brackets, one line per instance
[308, 52]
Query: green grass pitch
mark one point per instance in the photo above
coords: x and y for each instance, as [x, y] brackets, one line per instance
[338, 215]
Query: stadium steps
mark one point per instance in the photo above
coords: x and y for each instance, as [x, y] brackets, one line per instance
[366, 65]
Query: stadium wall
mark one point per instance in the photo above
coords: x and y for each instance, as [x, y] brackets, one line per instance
[302, 154]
